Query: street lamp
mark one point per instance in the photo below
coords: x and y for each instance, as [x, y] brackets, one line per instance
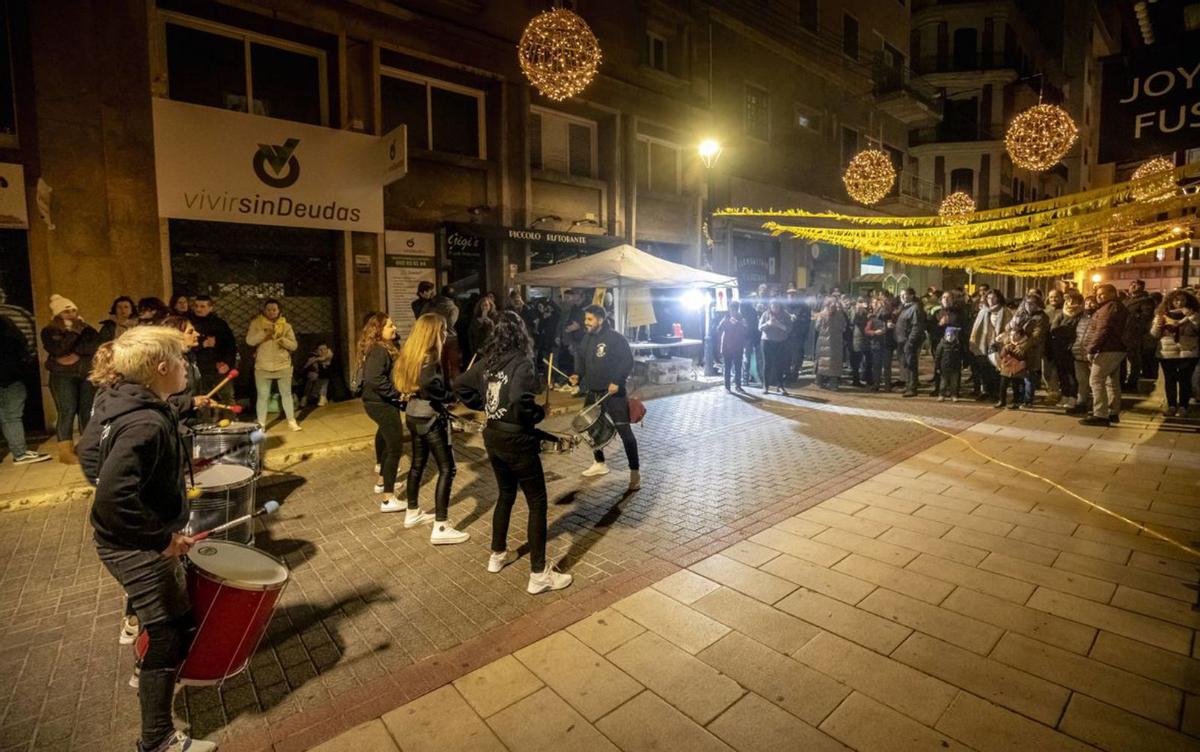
[709, 152]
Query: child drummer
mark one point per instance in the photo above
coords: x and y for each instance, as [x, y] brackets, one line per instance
[133, 451]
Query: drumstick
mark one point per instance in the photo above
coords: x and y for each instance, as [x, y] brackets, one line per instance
[268, 508]
[556, 369]
[235, 409]
[257, 436]
[228, 377]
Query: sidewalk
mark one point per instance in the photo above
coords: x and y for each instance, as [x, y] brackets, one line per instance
[945, 603]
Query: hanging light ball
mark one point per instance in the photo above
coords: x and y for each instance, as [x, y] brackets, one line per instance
[559, 54]
[1162, 184]
[957, 208]
[870, 176]
[1040, 136]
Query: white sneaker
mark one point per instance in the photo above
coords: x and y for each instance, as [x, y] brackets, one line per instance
[414, 517]
[135, 677]
[392, 504]
[294, 425]
[444, 534]
[498, 561]
[378, 469]
[541, 582]
[129, 630]
[30, 457]
[635, 480]
[597, 469]
[378, 488]
[322, 402]
[181, 742]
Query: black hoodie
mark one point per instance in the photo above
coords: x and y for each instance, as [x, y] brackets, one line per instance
[605, 358]
[132, 451]
[504, 392]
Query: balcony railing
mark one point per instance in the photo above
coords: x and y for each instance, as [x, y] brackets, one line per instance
[891, 80]
[958, 62]
[952, 133]
[913, 188]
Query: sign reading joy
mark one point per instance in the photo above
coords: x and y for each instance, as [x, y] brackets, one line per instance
[1150, 101]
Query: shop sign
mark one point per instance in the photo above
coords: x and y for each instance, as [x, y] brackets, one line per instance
[14, 212]
[408, 261]
[1150, 101]
[463, 245]
[217, 165]
[550, 237]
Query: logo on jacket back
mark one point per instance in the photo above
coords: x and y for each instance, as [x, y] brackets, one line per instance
[277, 165]
[601, 350]
[495, 381]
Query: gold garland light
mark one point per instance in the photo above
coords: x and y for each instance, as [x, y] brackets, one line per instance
[1040, 136]
[559, 54]
[870, 176]
[957, 208]
[1161, 184]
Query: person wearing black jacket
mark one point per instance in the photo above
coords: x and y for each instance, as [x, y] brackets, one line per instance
[910, 334]
[605, 362]
[383, 403]
[16, 362]
[133, 453]
[216, 354]
[418, 375]
[502, 383]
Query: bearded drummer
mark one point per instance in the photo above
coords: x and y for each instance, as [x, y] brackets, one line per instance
[133, 451]
[605, 362]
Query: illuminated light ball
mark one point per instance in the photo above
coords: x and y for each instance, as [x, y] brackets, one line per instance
[1160, 180]
[1040, 136]
[559, 54]
[957, 208]
[870, 176]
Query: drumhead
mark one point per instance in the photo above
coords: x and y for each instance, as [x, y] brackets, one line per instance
[222, 475]
[238, 565]
[232, 428]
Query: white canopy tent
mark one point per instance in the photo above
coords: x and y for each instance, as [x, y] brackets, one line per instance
[622, 267]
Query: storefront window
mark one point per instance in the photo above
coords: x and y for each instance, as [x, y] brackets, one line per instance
[440, 116]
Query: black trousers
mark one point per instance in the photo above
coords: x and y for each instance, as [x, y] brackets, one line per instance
[774, 362]
[617, 408]
[517, 464]
[911, 363]
[435, 441]
[1177, 379]
[733, 367]
[387, 418]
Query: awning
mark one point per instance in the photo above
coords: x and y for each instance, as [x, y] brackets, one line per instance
[622, 267]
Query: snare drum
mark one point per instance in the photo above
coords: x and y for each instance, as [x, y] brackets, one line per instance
[594, 425]
[234, 590]
[231, 443]
[226, 493]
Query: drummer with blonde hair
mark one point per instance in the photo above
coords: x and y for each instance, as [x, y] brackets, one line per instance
[133, 452]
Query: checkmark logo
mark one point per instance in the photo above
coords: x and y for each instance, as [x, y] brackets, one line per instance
[276, 165]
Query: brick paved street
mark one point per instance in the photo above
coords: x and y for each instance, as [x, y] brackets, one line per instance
[375, 616]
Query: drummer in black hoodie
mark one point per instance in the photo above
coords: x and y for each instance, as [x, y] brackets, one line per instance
[605, 362]
[501, 384]
[133, 452]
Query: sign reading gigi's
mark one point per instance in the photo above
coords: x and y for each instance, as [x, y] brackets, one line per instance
[1150, 101]
[216, 165]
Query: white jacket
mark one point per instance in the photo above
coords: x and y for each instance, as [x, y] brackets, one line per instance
[273, 350]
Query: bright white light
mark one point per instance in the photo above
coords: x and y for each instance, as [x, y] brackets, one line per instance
[709, 151]
[694, 299]
[1096, 278]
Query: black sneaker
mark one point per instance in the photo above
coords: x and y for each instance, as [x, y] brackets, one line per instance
[1095, 420]
[1114, 419]
[907, 395]
[1077, 410]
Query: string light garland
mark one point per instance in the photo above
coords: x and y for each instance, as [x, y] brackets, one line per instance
[559, 54]
[957, 208]
[1040, 136]
[1156, 180]
[870, 176]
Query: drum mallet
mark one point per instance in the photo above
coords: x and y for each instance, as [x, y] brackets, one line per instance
[556, 369]
[257, 436]
[268, 508]
[233, 374]
[235, 409]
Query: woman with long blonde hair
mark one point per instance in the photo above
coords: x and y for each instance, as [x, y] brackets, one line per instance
[418, 375]
[381, 401]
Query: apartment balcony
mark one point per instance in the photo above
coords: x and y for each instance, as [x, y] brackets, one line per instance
[947, 133]
[966, 63]
[906, 97]
[912, 196]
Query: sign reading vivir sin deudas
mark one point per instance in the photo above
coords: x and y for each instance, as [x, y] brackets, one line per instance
[216, 165]
[1150, 101]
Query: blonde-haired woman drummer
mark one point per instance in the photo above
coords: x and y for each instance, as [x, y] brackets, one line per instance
[418, 374]
[132, 450]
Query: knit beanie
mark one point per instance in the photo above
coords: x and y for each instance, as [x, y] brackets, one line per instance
[58, 304]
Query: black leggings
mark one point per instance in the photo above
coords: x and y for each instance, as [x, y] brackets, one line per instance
[387, 418]
[436, 441]
[516, 462]
[1177, 378]
[774, 357]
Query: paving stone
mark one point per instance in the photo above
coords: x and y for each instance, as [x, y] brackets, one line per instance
[1071, 544]
[845, 506]
[973, 578]
[799, 526]
[905, 520]
[894, 684]
[733, 574]
[1157, 606]
[686, 586]
[760, 622]
[888, 553]
[868, 726]
[1065, 582]
[893, 578]
[440, 720]
[683, 626]
[1150, 699]
[1116, 620]
[688, 684]
[937, 546]
[756, 725]
[647, 723]
[750, 553]
[578, 674]
[497, 685]
[968, 521]
[820, 579]
[947, 625]
[1172, 587]
[999, 544]
[854, 624]
[1115, 730]
[1027, 694]
[371, 736]
[1191, 715]
[558, 727]
[605, 630]
[1145, 660]
[1030, 520]
[989, 728]
[823, 515]
[802, 548]
[807, 694]
[1063, 633]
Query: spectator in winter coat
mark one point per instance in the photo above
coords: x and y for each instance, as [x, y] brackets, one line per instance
[880, 345]
[949, 350]
[1106, 351]
[217, 354]
[1054, 312]
[831, 333]
[991, 321]
[910, 334]
[1140, 308]
[860, 356]
[122, 311]
[274, 341]
[1177, 328]
[1026, 339]
[1063, 326]
[798, 339]
[754, 349]
[731, 334]
[1080, 360]
[16, 362]
[776, 326]
[70, 342]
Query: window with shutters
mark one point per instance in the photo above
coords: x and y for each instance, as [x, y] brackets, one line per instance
[849, 36]
[440, 116]
[658, 165]
[562, 143]
[758, 113]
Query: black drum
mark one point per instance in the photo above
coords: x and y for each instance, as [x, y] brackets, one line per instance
[594, 425]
